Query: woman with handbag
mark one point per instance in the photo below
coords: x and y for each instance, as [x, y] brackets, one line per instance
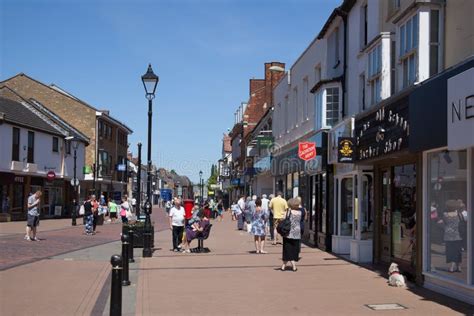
[291, 239]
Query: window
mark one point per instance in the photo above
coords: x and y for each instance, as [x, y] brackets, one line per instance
[347, 205]
[55, 144]
[363, 28]
[101, 128]
[16, 144]
[105, 163]
[336, 47]
[408, 46]
[287, 114]
[446, 211]
[434, 42]
[68, 147]
[362, 91]
[317, 73]
[375, 70]
[318, 99]
[393, 67]
[31, 147]
[332, 106]
[297, 108]
[305, 98]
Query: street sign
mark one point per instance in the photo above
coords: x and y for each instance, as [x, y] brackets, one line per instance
[76, 182]
[50, 176]
[306, 150]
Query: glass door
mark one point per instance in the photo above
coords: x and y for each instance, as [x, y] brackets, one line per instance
[366, 213]
[385, 240]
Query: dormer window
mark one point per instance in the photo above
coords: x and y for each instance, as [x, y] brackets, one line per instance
[328, 105]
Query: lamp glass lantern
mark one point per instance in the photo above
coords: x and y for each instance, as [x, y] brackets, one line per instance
[150, 81]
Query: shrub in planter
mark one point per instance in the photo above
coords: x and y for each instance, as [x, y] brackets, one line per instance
[138, 229]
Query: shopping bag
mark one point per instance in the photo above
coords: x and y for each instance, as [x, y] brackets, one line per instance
[81, 210]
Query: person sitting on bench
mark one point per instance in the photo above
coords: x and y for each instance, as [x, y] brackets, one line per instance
[194, 231]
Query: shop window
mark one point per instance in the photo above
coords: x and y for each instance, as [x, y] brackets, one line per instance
[55, 145]
[366, 216]
[31, 147]
[16, 144]
[5, 200]
[18, 202]
[347, 206]
[447, 215]
[403, 218]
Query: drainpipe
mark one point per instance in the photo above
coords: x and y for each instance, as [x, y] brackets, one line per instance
[343, 84]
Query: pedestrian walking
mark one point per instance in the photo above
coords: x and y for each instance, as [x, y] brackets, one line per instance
[112, 210]
[303, 218]
[259, 219]
[33, 216]
[89, 216]
[265, 203]
[95, 213]
[124, 209]
[279, 206]
[176, 220]
[240, 213]
[168, 206]
[291, 243]
[220, 210]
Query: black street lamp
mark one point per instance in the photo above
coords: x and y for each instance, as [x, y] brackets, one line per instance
[202, 188]
[150, 81]
[75, 144]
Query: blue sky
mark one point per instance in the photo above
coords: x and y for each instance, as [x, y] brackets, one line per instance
[204, 52]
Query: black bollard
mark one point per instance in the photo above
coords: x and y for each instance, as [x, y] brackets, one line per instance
[125, 245]
[116, 289]
[130, 247]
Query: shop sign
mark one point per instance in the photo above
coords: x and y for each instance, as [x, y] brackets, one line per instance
[460, 110]
[384, 131]
[87, 170]
[343, 129]
[50, 176]
[307, 150]
[121, 167]
[19, 179]
[265, 141]
[346, 150]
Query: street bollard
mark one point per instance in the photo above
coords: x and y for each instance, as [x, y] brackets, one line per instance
[125, 245]
[116, 288]
[130, 247]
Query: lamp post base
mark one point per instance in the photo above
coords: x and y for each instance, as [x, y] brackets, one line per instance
[147, 251]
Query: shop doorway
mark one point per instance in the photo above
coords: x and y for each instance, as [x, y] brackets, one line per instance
[398, 214]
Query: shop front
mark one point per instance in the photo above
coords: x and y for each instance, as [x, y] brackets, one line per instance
[353, 197]
[382, 139]
[448, 180]
[319, 196]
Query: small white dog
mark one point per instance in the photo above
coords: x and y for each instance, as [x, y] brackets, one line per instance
[395, 278]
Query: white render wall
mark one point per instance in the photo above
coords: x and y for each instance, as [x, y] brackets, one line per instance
[300, 123]
[44, 157]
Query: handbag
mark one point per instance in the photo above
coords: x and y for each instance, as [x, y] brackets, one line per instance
[284, 226]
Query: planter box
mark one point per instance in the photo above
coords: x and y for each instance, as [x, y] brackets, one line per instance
[138, 229]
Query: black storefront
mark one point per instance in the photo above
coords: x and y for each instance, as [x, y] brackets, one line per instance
[383, 137]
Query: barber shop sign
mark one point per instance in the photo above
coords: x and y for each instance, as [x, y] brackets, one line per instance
[307, 150]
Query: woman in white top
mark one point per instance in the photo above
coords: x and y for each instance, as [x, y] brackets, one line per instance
[176, 220]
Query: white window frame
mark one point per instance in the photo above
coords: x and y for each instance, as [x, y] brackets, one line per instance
[321, 112]
[374, 76]
[408, 57]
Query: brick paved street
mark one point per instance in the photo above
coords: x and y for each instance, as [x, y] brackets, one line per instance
[56, 238]
[229, 280]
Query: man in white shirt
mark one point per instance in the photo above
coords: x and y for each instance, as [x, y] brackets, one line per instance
[265, 202]
[240, 212]
[176, 220]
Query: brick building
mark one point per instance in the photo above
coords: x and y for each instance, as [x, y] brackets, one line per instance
[247, 117]
[107, 151]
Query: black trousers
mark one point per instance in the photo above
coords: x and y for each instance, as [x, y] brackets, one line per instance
[270, 221]
[177, 236]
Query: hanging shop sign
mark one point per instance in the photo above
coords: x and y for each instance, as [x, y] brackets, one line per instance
[383, 131]
[346, 149]
[265, 141]
[307, 150]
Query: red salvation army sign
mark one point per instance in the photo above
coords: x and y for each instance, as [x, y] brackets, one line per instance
[307, 150]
